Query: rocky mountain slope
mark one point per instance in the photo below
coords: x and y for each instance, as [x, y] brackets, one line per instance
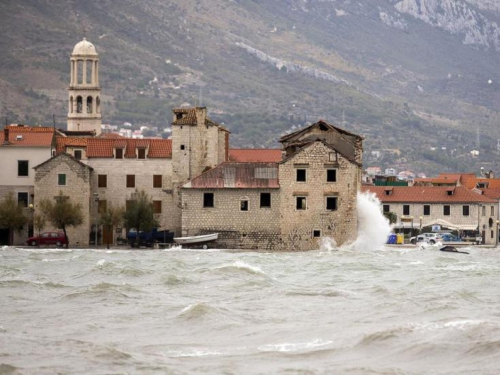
[421, 77]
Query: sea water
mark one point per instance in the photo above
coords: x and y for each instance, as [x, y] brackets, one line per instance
[359, 309]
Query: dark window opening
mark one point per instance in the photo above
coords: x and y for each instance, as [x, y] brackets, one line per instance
[178, 116]
[61, 179]
[406, 209]
[22, 168]
[265, 200]
[157, 181]
[427, 209]
[208, 200]
[131, 180]
[78, 154]
[89, 104]
[301, 175]
[79, 104]
[465, 210]
[182, 147]
[300, 203]
[331, 203]
[316, 233]
[102, 181]
[449, 192]
[244, 205]
[157, 207]
[446, 210]
[119, 153]
[141, 153]
[22, 199]
[387, 208]
[331, 175]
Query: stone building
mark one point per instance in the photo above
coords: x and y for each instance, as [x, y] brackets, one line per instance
[285, 204]
[118, 168]
[451, 207]
[63, 173]
[21, 148]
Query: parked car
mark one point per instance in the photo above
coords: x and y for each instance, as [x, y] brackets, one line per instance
[431, 238]
[447, 237]
[48, 238]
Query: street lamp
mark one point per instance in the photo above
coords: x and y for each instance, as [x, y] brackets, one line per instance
[96, 200]
[421, 218]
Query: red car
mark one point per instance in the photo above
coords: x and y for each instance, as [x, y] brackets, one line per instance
[48, 238]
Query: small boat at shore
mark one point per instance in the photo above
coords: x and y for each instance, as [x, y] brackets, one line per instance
[452, 249]
[197, 240]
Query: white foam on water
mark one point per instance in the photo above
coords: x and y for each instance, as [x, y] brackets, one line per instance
[55, 260]
[192, 352]
[293, 347]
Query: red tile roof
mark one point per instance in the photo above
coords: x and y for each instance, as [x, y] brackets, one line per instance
[63, 142]
[110, 136]
[27, 136]
[238, 176]
[426, 194]
[254, 155]
[104, 147]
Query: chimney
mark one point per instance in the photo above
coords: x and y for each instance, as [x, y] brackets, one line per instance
[6, 136]
[492, 175]
[201, 115]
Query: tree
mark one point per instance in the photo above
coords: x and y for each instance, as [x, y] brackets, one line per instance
[111, 217]
[39, 222]
[11, 216]
[62, 213]
[391, 216]
[139, 213]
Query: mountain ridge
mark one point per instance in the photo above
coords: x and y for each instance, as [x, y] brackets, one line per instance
[382, 68]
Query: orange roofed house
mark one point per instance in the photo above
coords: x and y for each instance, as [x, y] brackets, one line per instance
[21, 148]
[451, 206]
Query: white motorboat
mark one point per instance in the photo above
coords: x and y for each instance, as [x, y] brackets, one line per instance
[197, 240]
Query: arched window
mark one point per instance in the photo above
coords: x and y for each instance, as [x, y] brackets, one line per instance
[71, 109]
[98, 105]
[79, 104]
[89, 104]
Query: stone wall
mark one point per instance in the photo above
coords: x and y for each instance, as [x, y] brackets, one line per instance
[117, 192]
[257, 228]
[77, 188]
[297, 226]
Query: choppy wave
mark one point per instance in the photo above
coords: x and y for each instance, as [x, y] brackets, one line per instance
[350, 310]
[198, 310]
[239, 267]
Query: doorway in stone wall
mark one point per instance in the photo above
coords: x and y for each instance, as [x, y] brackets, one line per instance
[4, 237]
[107, 235]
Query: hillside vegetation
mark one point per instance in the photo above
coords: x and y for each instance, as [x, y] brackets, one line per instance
[423, 80]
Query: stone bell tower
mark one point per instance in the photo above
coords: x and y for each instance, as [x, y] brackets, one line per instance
[84, 109]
